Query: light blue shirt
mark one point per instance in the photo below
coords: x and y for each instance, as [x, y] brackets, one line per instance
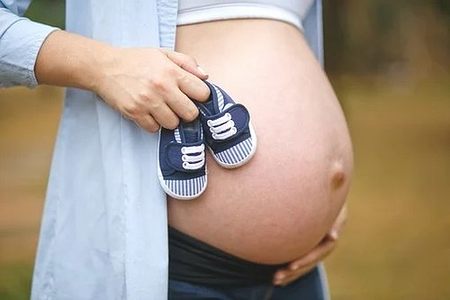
[104, 227]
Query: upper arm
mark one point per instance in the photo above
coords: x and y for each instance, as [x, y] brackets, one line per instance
[17, 7]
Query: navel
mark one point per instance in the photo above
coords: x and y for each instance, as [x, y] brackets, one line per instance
[338, 176]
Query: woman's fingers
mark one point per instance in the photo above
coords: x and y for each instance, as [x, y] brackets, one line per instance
[182, 106]
[147, 122]
[149, 85]
[339, 223]
[292, 276]
[306, 263]
[302, 265]
[186, 62]
[190, 75]
[325, 247]
[164, 115]
[193, 87]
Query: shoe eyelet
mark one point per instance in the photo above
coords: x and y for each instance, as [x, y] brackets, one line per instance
[183, 150]
[185, 164]
[184, 157]
[228, 115]
[209, 123]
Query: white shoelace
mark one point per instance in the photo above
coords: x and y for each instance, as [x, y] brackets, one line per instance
[193, 162]
[222, 128]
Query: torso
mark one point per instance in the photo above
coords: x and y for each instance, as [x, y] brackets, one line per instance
[281, 204]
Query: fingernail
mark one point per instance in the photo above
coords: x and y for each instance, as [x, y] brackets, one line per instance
[202, 71]
[334, 234]
[279, 277]
[294, 267]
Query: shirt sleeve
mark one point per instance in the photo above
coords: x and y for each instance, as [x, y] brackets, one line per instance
[20, 42]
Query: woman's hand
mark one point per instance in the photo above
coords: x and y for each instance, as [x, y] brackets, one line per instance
[307, 262]
[152, 86]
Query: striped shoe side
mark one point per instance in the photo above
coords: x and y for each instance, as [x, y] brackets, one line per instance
[236, 155]
[186, 189]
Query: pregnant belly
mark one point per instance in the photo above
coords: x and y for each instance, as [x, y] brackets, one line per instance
[279, 205]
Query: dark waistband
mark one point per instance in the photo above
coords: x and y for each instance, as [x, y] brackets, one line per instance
[194, 261]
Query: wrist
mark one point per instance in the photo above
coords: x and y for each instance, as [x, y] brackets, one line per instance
[97, 67]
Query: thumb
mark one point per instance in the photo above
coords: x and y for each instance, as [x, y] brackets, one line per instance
[339, 223]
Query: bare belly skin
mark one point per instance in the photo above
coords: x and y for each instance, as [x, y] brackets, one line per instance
[281, 204]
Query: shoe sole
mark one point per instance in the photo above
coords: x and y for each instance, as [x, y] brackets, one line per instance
[166, 188]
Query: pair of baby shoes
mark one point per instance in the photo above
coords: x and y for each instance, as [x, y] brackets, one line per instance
[223, 126]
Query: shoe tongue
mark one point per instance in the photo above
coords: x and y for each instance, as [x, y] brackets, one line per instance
[190, 131]
[210, 105]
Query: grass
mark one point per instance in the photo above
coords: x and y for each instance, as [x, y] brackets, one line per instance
[15, 281]
[396, 243]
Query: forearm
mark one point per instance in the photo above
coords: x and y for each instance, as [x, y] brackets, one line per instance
[71, 60]
[150, 86]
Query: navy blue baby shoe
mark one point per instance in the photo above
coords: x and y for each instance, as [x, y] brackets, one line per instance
[181, 156]
[227, 128]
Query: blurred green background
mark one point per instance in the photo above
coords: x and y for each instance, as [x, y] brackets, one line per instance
[389, 63]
